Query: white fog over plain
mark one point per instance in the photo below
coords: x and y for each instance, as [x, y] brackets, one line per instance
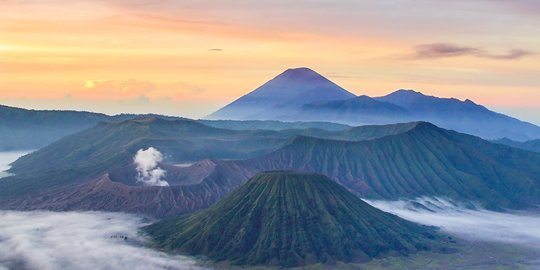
[7, 158]
[100, 240]
[76, 240]
[79, 240]
[515, 228]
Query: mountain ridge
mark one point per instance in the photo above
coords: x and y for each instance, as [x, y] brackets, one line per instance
[399, 106]
[376, 162]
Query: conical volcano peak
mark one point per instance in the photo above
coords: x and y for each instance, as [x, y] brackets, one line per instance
[292, 219]
[277, 173]
[301, 73]
[285, 94]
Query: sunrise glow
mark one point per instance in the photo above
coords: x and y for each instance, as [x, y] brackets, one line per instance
[189, 58]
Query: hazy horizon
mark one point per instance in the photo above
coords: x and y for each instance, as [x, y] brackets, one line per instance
[190, 58]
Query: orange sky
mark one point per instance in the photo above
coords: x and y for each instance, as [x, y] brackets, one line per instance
[191, 57]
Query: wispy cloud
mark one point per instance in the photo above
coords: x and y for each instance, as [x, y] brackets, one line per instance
[442, 50]
[113, 89]
[436, 50]
[509, 55]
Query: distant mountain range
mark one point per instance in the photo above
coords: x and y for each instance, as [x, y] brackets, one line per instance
[290, 219]
[532, 145]
[22, 129]
[303, 95]
[296, 99]
[94, 169]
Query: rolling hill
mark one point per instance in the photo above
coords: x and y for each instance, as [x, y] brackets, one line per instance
[292, 219]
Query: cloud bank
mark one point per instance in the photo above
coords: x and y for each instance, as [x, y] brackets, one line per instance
[441, 50]
[148, 172]
[79, 240]
[7, 158]
[514, 228]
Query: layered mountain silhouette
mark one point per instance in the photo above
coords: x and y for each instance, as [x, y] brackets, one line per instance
[182, 141]
[532, 145]
[292, 219]
[422, 161]
[358, 110]
[463, 116]
[22, 129]
[304, 95]
[94, 169]
[30, 129]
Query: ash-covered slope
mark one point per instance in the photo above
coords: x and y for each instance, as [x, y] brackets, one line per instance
[292, 219]
[105, 194]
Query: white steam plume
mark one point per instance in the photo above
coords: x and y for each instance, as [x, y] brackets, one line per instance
[148, 172]
[80, 240]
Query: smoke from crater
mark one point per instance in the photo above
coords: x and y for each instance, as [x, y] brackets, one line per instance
[148, 172]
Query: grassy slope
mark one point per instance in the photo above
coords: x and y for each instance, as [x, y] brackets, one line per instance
[423, 161]
[290, 219]
[107, 146]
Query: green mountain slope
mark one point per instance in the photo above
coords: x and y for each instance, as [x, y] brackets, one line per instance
[291, 219]
[423, 161]
[109, 147]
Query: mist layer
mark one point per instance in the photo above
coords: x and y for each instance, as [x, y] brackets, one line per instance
[79, 240]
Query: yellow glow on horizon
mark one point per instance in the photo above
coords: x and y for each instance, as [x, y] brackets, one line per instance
[95, 52]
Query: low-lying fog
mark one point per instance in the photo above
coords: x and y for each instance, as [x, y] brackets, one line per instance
[73, 240]
[515, 228]
[7, 158]
[98, 240]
